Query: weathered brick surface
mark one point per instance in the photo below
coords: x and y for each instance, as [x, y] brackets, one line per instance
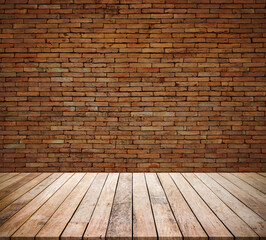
[132, 85]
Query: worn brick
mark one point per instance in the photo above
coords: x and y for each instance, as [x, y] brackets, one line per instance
[143, 85]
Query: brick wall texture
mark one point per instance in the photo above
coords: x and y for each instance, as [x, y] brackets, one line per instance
[132, 85]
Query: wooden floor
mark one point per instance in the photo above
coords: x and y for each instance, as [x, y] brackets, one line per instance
[138, 205]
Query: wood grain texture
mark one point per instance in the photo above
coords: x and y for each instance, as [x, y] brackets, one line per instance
[77, 206]
[187, 222]
[99, 221]
[166, 225]
[56, 224]
[120, 223]
[253, 203]
[15, 206]
[41, 216]
[211, 224]
[233, 222]
[10, 189]
[252, 181]
[79, 221]
[250, 217]
[11, 225]
[246, 187]
[23, 190]
[7, 176]
[12, 181]
[143, 222]
[257, 176]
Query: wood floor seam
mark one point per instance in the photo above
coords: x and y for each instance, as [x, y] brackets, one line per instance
[77, 206]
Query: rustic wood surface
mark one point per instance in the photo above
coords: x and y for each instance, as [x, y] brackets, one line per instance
[132, 205]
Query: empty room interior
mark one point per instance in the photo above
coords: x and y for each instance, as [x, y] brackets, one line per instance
[132, 119]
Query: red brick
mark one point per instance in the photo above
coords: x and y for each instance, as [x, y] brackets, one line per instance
[147, 85]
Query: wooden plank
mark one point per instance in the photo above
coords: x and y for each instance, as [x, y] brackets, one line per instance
[257, 176]
[57, 223]
[15, 206]
[252, 181]
[166, 224]
[78, 223]
[68, 222]
[7, 176]
[10, 189]
[12, 180]
[262, 173]
[120, 224]
[41, 216]
[251, 218]
[143, 221]
[245, 187]
[188, 223]
[2, 176]
[11, 225]
[243, 196]
[99, 221]
[211, 224]
[234, 223]
[28, 189]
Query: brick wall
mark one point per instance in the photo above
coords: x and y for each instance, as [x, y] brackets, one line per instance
[132, 85]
